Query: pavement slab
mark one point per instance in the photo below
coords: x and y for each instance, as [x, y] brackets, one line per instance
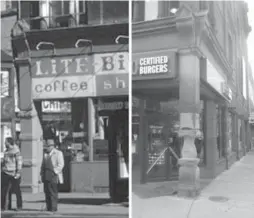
[230, 195]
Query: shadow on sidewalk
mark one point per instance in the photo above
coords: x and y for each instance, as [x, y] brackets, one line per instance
[76, 201]
[159, 189]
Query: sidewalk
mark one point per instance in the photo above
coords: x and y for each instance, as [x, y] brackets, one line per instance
[72, 203]
[230, 195]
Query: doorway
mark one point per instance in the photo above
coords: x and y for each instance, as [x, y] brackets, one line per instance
[161, 148]
[118, 155]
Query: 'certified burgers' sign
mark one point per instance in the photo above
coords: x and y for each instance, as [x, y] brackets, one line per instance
[154, 64]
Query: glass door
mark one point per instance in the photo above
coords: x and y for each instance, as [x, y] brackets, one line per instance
[161, 153]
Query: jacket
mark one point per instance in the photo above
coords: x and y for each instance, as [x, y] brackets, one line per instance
[12, 161]
[52, 167]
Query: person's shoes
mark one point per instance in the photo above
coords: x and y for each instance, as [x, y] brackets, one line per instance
[19, 209]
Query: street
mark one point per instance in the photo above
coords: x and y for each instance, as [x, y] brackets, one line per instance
[25, 214]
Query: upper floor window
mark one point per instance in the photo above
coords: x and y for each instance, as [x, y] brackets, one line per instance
[103, 12]
[63, 13]
[153, 9]
[8, 5]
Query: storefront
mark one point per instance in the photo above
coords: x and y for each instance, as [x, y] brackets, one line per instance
[170, 79]
[9, 122]
[81, 101]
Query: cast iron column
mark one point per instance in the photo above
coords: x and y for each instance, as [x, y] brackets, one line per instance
[189, 108]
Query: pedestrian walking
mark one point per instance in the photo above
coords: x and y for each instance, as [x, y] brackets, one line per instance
[51, 173]
[11, 165]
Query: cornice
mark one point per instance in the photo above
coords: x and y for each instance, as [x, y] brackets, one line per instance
[167, 24]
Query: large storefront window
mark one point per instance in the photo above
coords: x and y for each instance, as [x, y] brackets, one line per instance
[67, 123]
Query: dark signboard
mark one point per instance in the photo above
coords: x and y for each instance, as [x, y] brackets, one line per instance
[154, 65]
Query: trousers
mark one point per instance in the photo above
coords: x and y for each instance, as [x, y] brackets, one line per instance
[10, 185]
[51, 195]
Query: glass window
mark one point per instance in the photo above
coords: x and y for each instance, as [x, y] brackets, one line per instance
[151, 10]
[103, 12]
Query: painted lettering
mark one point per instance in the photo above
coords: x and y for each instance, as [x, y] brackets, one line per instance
[59, 66]
[74, 86]
[53, 62]
[120, 84]
[66, 65]
[108, 64]
[39, 72]
[80, 64]
[61, 85]
[121, 62]
[107, 84]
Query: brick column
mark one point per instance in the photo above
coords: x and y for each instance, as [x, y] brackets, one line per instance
[211, 138]
[189, 108]
[31, 130]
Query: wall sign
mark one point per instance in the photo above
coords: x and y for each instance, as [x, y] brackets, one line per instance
[62, 66]
[62, 87]
[56, 106]
[112, 106]
[251, 118]
[4, 83]
[226, 91]
[111, 63]
[107, 85]
[161, 63]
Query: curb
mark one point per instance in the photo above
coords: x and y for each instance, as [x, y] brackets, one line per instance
[48, 214]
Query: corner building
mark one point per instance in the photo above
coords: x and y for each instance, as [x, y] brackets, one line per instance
[190, 69]
[71, 59]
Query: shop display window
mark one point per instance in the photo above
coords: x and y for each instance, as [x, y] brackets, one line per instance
[66, 122]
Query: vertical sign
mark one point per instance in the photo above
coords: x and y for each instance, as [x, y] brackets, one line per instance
[4, 83]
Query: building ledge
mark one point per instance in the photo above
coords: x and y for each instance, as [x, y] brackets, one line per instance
[153, 26]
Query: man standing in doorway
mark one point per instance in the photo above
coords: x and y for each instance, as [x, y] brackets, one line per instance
[51, 173]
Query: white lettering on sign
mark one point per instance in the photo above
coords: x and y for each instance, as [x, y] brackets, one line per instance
[153, 65]
[113, 105]
[4, 83]
[111, 63]
[61, 87]
[56, 106]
